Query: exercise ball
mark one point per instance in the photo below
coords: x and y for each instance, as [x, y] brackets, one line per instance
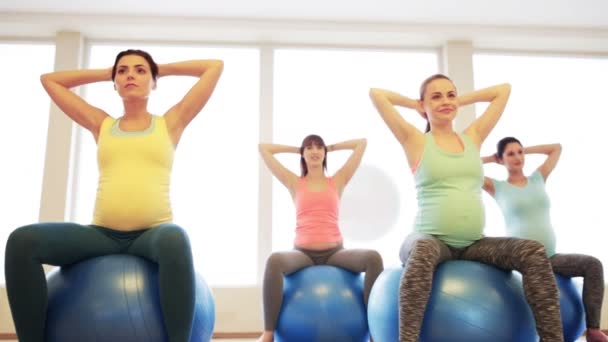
[360, 211]
[116, 298]
[469, 301]
[571, 308]
[322, 304]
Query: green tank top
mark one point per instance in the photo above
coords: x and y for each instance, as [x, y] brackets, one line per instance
[449, 193]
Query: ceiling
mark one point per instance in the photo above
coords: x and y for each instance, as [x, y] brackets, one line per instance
[515, 13]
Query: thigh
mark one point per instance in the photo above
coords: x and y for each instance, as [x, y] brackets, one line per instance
[288, 262]
[506, 253]
[164, 240]
[572, 265]
[354, 260]
[60, 243]
[424, 243]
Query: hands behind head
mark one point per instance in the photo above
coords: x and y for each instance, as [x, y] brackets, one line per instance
[491, 159]
[420, 110]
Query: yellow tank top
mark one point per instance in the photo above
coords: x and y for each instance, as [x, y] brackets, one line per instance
[134, 176]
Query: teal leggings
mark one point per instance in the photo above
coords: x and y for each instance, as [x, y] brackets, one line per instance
[62, 244]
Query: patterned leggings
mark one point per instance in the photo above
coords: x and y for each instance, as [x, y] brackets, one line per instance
[590, 268]
[285, 263]
[421, 253]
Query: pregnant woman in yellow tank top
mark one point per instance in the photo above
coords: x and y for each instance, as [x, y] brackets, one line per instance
[133, 209]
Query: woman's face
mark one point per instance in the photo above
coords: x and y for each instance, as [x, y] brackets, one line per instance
[133, 77]
[314, 155]
[440, 101]
[513, 157]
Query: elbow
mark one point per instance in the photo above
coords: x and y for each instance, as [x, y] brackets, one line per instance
[264, 148]
[44, 78]
[211, 65]
[373, 92]
[217, 64]
[558, 147]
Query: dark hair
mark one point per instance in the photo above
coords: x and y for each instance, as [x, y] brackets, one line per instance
[140, 53]
[310, 140]
[502, 145]
[423, 86]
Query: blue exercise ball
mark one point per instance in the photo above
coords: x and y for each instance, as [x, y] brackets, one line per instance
[571, 308]
[469, 301]
[322, 304]
[116, 298]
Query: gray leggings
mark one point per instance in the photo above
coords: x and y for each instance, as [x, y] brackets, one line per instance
[421, 253]
[280, 264]
[590, 268]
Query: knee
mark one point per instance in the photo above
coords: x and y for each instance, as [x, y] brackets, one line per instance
[173, 236]
[274, 262]
[173, 242]
[595, 267]
[21, 240]
[374, 261]
[426, 250]
[535, 249]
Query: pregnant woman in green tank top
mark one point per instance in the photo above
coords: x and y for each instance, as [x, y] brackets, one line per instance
[448, 174]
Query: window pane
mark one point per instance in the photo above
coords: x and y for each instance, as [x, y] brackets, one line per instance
[217, 154]
[26, 113]
[556, 99]
[325, 92]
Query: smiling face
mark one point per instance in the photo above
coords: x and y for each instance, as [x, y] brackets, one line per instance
[439, 101]
[133, 77]
[313, 153]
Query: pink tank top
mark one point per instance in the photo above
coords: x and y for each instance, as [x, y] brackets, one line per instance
[317, 214]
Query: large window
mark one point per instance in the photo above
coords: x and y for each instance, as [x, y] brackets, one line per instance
[325, 92]
[25, 108]
[557, 99]
[215, 176]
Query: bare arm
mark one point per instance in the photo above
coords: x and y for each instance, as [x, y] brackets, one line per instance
[284, 175]
[489, 159]
[553, 152]
[410, 138]
[346, 172]
[488, 185]
[497, 96]
[58, 85]
[181, 114]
